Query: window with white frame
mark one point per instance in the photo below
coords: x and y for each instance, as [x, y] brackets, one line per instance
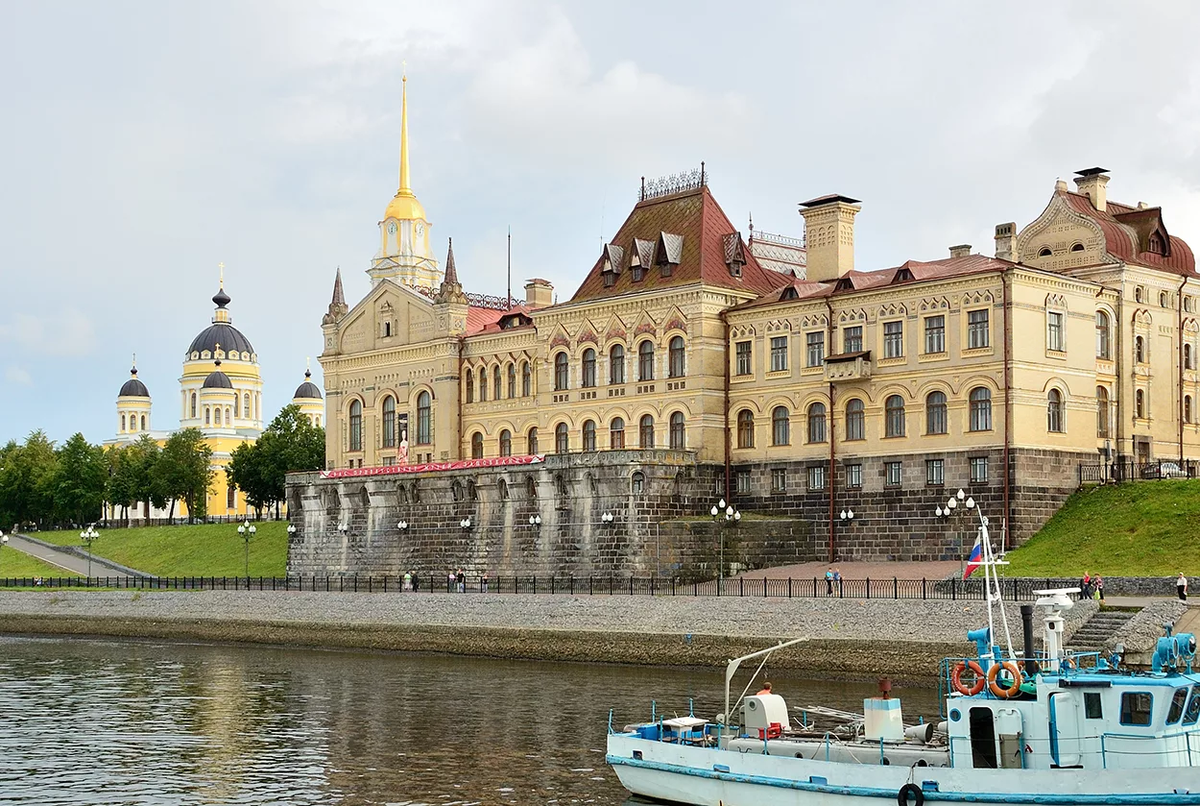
[779, 353]
[852, 339]
[893, 339]
[816, 349]
[935, 472]
[979, 469]
[1055, 337]
[816, 477]
[1055, 420]
[935, 334]
[854, 476]
[978, 329]
[778, 480]
[892, 474]
[742, 481]
[743, 362]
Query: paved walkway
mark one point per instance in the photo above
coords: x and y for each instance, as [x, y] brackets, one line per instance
[62, 559]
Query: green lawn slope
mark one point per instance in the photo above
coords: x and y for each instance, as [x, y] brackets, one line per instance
[15, 563]
[1144, 528]
[202, 550]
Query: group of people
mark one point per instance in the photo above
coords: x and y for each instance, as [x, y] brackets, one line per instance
[457, 581]
[1091, 587]
[832, 575]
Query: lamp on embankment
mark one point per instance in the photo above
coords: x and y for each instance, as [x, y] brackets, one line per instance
[247, 531]
[87, 536]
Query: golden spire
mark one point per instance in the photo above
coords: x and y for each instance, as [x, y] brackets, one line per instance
[404, 186]
[221, 269]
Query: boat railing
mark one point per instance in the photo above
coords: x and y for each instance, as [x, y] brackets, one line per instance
[1107, 750]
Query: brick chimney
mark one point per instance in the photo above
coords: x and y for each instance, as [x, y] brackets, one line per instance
[829, 235]
[962, 250]
[539, 293]
[1006, 241]
[1091, 182]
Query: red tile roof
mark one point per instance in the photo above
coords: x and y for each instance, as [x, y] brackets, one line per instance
[486, 320]
[697, 217]
[1121, 224]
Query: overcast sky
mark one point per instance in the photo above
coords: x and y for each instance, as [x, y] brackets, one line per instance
[145, 142]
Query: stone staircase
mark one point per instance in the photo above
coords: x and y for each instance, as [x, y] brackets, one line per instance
[1097, 630]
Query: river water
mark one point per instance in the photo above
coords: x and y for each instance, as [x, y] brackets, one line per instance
[125, 722]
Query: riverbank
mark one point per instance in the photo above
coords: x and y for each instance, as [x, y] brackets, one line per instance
[847, 638]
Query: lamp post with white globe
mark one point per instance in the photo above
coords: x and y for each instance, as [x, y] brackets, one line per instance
[246, 531]
[723, 514]
[88, 536]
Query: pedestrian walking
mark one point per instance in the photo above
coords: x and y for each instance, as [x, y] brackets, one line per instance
[451, 578]
[829, 581]
[1098, 584]
[461, 578]
[407, 581]
[484, 580]
[1181, 587]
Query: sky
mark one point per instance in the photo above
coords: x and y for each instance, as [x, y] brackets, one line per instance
[144, 143]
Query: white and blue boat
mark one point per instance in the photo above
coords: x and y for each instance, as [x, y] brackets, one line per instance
[1016, 728]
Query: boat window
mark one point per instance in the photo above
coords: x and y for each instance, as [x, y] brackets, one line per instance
[1136, 708]
[1177, 702]
[983, 739]
[1192, 712]
[1091, 705]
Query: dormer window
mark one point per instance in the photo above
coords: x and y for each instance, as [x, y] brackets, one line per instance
[789, 293]
[1077, 247]
[613, 255]
[638, 273]
[610, 278]
[668, 252]
[735, 253]
[387, 330]
[1155, 244]
[1044, 252]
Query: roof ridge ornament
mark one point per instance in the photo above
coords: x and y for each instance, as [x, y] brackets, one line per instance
[672, 184]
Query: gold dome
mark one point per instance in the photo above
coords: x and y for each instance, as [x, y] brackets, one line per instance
[404, 207]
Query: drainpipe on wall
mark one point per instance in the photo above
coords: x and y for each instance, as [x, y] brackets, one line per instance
[1182, 283]
[728, 489]
[461, 343]
[1007, 303]
[1119, 359]
[828, 350]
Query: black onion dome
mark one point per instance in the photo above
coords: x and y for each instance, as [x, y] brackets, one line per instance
[134, 388]
[307, 389]
[217, 379]
[228, 336]
[221, 299]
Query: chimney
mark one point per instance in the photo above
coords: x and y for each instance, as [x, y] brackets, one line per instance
[962, 250]
[1092, 182]
[829, 235]
[538, 293]
[1006, 241]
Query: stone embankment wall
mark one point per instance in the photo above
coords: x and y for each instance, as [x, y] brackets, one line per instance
[847, 638]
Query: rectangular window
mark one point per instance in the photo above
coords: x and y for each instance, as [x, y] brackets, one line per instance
[852, 339]
[778, 480]
[854, 476]
[816, 349]
[978, 333]
[1135, 708]
[935, 472]
[1092, 708]
[891, 474]
[979, 469]
[742, 480]
[743, 357]
[893, 339]
[816, 477]
[1054, 332]
[389, 461]
[935, 334]
[779, 345]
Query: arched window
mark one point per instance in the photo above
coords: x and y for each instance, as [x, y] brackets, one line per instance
[389, 422]
[1102, 411]
[893, 412]
[589, 435]
[482, 385]
[1139, 404]
[355, 425]
[506, 442]
[616, 364]
[143, 422]
[231, 497]
[646, 361]
[1076, 247]
[1162, 296]
[477, 445]
[646, 432]
[237, 406]
[217, 416]
[856, 426]
[935, 413]
[424, 418]
[678, 437]
[207, 415]
[589, 368]
[816, 422]
[532, 441]
[675, 361]
[638, 482]
[228, 416]
[745, 429]
[526, 380]
[497, 384]
[1187, 408]
[561, 440]
[1044, 252]
[512, 381]
[1103, 335]
[1139, 349]
[981, 409]
[1187, 357]
[123, 428]
[193, 405]
[246, 406]
[1054, 412]
[561, 371]
[616, 434]
[531, 488]
[781, 426]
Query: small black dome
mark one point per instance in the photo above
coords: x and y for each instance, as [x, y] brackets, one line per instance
[134, 388]
[221, 299]
[228, 336]
[308, 388]
[217, 380]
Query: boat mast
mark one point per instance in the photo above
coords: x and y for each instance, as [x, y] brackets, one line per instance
[731, 669]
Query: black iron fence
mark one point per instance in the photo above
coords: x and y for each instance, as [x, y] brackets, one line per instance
[766, 587]
[1130, 470]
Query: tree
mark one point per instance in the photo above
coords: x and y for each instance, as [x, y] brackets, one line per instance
[121, 482]
[144, 456]
[245, 471]
[184, 471]
[25, 483]
[78, 481]
[291, 443]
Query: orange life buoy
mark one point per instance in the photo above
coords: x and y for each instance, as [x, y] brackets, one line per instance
[994, 672]
[959, 685]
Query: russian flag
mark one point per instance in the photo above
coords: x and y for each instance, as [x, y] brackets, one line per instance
[976, 558]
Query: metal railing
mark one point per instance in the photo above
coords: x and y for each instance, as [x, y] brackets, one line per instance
[1131, 470]
[891, 588]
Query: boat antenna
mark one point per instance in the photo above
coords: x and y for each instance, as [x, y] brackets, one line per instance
[510, 266]
[991, 583]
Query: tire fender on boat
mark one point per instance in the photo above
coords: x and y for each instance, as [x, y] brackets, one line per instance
[993, 675]
[957, 682]
[910, 793]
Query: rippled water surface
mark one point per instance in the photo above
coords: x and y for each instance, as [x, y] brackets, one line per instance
[105, 722]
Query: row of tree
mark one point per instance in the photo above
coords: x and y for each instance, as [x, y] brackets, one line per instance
[48, 485]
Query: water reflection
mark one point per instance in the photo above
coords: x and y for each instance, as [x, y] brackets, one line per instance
[92, 722]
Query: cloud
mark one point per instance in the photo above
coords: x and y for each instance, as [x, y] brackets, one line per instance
[18, 376]
[66, 333]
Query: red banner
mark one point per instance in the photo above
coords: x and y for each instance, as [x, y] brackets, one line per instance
[465, 464]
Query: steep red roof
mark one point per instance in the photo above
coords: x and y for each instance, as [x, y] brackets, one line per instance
[487, 320]
[1124, 228]
[696, 216]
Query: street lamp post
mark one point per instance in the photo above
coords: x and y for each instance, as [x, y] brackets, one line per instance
[87, 536]
[247, 530]
[731, 516]
[3, 540]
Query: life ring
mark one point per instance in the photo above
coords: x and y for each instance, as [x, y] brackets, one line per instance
[959, 685]
[994, 673]
[910, 793]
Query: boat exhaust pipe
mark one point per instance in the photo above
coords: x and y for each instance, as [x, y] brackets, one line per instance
[1031, 666]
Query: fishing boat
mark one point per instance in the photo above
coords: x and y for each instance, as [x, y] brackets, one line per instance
[1044, 727]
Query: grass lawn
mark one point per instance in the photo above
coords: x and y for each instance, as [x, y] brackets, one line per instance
[203, 550]
[1143, 528]
[15, 563]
